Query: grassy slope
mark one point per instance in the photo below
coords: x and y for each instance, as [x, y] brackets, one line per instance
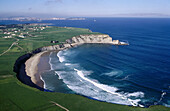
[16, 96]
[40, 39]
[19, 97]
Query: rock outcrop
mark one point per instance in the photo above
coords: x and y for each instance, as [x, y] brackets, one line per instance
[90, 39]
[82, 39]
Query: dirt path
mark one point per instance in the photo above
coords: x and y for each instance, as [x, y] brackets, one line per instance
[59, 105]
[6, 76]
[14, 43]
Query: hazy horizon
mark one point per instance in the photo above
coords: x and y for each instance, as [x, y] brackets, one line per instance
[88, 8]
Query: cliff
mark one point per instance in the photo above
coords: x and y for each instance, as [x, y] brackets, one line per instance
[90, 39]
[82, 39]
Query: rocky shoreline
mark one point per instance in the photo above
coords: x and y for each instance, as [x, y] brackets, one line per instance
[26, 65]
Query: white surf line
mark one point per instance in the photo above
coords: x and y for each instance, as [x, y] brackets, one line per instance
[59, 105]
[162, 96]
[61, 58]
[44, 86]
[132, 102]
[14, 43]
[101, 86]
[50, 61]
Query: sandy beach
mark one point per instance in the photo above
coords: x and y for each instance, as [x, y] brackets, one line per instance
[34, 67]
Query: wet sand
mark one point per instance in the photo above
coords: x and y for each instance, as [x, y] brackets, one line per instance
[36, 65]
[43, 64]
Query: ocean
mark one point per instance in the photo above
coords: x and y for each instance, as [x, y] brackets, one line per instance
[137, 74]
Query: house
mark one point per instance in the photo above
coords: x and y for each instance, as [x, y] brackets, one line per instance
[7, 37]
[53, 41]
[21, 36]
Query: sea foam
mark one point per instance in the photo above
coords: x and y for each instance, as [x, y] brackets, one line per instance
[79, 82]
[113, 90]
[45, 86]
[50, 61]
[135, 94]
[60, 57]
[115, 72]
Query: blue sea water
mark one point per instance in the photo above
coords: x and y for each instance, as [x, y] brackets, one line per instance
[138, 74]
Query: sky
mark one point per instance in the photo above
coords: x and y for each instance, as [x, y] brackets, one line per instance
[85, 8]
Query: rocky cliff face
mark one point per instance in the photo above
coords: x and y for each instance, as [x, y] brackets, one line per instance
[81, 39]
[90, 39]
[56, 47]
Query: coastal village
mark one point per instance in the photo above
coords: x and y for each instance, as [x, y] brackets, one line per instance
[15, 36]
[40, 19]
[20, 30]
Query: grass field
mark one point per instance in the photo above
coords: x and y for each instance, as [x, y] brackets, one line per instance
[39, 39]
[16, 96]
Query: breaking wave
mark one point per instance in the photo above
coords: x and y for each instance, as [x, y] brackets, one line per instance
[112, 85]
[80, 82]
[112, 90]
[61, 58]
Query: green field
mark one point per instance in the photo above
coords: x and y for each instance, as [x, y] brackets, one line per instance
[16, 96]
[38, 39]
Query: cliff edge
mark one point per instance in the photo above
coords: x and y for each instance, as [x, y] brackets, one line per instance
[82, 39]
